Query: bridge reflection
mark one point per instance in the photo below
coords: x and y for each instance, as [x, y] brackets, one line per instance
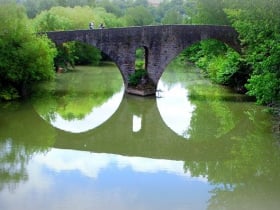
[153, 138]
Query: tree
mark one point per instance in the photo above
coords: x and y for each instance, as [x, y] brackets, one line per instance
[259, 34]
[111, 7]
[33, 7]
[25, 57]
[66, 18]
[172, 17]
[210, 12]
[138, 16]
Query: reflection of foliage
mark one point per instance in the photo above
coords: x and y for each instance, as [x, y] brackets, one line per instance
[250, 176]
[208, 98]
[246, 174]
[22, 134]
[76, 93]
[12, 163]
[217, 111]
[254, 175]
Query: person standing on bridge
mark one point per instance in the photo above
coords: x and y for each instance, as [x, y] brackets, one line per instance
[101, 25]
[91, 25]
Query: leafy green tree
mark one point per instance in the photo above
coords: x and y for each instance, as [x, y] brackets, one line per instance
[172, 17]
[219, 62]
[66, 18]
[170, 12]
[258, 29]
[69, 103]
[25, 57]
[138, 16]
[210, 12]
[259, 33]
[111, 7]
[33, 7]
[85, 54]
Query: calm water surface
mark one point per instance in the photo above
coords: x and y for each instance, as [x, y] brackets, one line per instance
[80, 143]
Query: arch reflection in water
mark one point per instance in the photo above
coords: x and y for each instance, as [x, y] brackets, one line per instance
[96, 117]
[136, 123]
[175, 108]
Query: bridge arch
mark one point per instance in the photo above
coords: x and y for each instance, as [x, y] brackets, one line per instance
[161, 43]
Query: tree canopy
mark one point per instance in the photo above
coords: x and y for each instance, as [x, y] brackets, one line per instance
[25, 57]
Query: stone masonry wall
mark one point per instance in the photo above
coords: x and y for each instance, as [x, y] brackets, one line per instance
[163, 43]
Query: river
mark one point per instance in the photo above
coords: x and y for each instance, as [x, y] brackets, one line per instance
[81, 143]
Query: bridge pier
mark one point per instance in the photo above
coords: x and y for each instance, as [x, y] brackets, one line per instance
[149, 91]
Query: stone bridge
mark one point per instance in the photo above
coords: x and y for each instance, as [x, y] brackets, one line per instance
[160, 43]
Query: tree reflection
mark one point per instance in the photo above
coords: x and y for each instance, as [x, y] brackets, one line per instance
[76, 102]
[13, 161]
[229, 144]
[74, 95]
[22, 135]
[252, 173]
[250, 177]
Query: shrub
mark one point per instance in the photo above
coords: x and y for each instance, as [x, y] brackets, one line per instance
[135, 78]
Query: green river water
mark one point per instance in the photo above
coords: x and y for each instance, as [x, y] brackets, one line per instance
[80, 143]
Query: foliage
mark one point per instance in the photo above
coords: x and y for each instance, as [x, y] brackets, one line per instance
[66, 18]
[34, 7]
[138, 16]
[134, 79]
[140, 58]
[208, 12]
[218, 61]
[258, 29]
[65, 56]
[172, 17]
[77, 93]
[265, 87]
[259, 33]
[223, 67]
[111, 7]
[85, 54]
[25, 57]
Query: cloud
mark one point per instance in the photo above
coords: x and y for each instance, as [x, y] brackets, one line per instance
[175, 108]
[91, 164]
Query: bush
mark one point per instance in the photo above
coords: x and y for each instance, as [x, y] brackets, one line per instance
[25, 57]
[222, 68]
[265, 87]
[135, 78]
